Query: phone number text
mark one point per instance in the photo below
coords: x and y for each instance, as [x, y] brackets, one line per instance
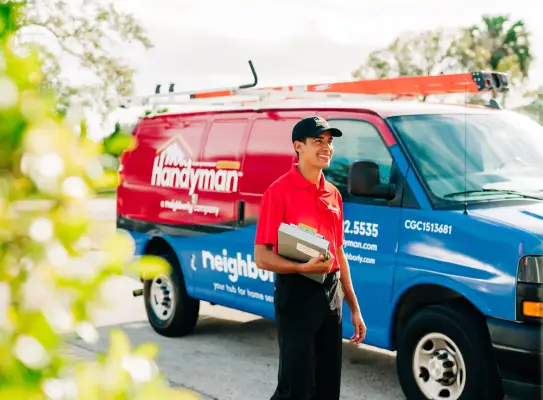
[360, 228]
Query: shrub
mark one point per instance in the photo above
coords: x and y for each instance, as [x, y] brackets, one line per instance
[47, 284]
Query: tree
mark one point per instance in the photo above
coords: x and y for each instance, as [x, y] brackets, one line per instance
[496, 44]
[534, 108]
[86, 34]
[51, 289]
[411, 54]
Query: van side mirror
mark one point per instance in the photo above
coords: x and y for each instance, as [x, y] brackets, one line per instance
[364, 180]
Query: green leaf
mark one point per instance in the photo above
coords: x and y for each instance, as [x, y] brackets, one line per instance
[147, 350]
[119, 345]
[149, 267]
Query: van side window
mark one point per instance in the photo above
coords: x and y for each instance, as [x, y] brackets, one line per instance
[360, 141]
[225, 139]
[188, 136]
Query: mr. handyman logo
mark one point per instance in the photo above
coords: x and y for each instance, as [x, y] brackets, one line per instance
[174, 167]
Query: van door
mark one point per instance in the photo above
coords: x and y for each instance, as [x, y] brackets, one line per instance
[268, 155]
[213, 258]
[371, 226]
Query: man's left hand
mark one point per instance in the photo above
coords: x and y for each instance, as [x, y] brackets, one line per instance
[359, 327]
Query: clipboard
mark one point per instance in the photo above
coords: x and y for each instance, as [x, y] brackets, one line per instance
[301, 243]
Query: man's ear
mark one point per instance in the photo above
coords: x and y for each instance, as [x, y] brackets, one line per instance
[298, 145]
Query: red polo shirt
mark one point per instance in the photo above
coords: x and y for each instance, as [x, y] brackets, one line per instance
[293, 199]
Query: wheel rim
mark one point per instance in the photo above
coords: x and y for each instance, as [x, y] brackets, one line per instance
[162, 297]
[439, 368]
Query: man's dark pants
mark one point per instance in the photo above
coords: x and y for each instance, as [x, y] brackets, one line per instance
[308, 318]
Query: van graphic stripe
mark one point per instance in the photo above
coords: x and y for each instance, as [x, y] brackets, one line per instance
[181, 230]
[385, 132]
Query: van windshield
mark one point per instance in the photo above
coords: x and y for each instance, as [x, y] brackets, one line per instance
[503, 153]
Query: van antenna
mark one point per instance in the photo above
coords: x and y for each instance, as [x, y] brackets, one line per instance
[465, 149]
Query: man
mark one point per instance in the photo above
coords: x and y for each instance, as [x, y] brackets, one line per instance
[308, 313]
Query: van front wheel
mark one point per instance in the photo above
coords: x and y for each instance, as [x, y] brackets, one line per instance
[444, 353]
[170, 310]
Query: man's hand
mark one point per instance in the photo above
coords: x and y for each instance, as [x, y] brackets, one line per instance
[317, 265]
[359, 327]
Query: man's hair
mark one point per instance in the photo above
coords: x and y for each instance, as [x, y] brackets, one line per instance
[303, 140]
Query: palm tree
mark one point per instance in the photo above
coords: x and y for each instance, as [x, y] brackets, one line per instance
[498, 44]
[534, 108]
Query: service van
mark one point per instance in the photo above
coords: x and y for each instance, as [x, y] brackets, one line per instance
[443, 220]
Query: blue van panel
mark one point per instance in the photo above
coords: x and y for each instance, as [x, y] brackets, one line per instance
[459, 252]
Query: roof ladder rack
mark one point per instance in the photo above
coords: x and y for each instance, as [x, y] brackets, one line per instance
[401, 87]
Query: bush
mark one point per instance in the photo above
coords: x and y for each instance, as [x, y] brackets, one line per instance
[49, 288]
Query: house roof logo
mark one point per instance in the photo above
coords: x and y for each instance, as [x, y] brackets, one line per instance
[176, 145]
[176, 149]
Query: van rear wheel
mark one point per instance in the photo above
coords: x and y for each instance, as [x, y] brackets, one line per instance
[444, 353]
[170, 310]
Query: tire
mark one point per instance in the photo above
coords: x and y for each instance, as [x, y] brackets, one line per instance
[466, 332]
[179, 311]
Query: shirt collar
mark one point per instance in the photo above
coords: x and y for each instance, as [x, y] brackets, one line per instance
[301, 182]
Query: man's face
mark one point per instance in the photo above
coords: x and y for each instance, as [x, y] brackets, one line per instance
[316, 152]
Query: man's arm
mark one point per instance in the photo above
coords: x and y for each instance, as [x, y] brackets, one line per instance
[345, 273]
[350, 296]
[266, 258]
[271, 214]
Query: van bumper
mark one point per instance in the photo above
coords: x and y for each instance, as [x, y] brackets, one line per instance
[518, 353]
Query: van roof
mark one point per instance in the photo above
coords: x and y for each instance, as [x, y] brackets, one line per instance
[382, 108]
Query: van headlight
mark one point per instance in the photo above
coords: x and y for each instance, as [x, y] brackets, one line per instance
[531, 269]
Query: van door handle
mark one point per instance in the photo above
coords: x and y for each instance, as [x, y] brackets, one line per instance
[241, 212]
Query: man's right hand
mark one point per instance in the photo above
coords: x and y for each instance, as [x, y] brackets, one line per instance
[317, 265]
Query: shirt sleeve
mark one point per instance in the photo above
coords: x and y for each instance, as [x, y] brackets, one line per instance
[271, 214]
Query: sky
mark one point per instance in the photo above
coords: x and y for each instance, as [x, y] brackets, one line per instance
[207, 43]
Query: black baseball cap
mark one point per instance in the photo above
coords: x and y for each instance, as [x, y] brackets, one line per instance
[312, 127]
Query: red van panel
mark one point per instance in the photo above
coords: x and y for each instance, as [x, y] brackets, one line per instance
[223, 153]
[154, 183]
[196, 169]
[268, 155]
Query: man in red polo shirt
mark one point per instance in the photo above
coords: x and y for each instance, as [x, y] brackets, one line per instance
[308, 313]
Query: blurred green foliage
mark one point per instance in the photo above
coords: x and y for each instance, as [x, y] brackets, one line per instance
[48, 286]
[112, 147]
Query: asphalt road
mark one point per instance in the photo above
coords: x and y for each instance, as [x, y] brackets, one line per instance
[232, 355]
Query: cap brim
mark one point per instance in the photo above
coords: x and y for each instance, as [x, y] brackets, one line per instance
[335, 132]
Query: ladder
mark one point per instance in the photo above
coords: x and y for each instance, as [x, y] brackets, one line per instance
[388, 88]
